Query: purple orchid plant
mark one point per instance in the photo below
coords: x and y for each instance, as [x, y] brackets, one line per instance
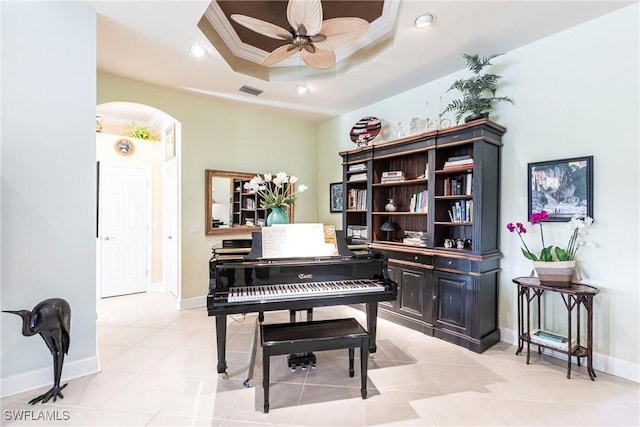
[578, 224]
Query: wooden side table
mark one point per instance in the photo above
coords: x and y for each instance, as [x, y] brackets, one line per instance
[574, 296]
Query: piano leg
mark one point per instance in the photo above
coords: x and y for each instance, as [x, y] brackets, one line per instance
[221, 339]
[372, 322]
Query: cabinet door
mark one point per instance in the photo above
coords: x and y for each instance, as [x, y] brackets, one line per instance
[453, 294]
[411, 293]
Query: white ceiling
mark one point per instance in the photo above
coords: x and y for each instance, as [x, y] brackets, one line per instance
[149, 41]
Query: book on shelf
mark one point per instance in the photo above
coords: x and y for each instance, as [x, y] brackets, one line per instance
[358, 177]
[549, 339]
[419, 202]
[461, 211]
[415, 238]
[392, 173]
[457, 158]
[458, 185]
[461, 166]
[385, 179]
[357, 167]
[357, 199]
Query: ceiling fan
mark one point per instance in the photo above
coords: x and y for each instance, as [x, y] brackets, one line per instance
[314, 38]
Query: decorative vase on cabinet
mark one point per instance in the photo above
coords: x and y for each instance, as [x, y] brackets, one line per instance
[277, 216]
[390, 206]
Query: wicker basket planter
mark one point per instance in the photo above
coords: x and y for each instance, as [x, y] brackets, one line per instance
[555, 273]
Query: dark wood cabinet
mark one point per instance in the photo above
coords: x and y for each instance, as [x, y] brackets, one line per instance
[441, 236]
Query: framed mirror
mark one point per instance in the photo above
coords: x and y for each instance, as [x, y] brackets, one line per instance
[229, 208]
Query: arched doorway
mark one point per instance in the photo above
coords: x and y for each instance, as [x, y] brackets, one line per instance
[144, 256]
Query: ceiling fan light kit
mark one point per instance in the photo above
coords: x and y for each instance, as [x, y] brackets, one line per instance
[424, 21]
[310, 35]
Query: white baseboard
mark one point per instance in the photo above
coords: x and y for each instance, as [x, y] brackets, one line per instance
[601, 362]
[195, 302]
[42, 377]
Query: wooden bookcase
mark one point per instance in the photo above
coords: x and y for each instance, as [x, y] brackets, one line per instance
[444, 290]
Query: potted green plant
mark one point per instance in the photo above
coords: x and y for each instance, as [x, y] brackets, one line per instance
[478, 91]
[141, 132]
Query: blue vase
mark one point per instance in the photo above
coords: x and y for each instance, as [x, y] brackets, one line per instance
[277, 216]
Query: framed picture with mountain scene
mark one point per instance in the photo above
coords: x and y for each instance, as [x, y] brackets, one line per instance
[562, 187]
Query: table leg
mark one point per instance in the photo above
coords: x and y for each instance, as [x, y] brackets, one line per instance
[529, 325]
[568, 304]
[520, 315]
[589, 308]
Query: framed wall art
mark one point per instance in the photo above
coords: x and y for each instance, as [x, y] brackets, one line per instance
[336, 197]
[562, 187]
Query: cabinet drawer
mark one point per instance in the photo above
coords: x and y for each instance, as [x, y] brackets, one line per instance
[453, 264]
[409, 257]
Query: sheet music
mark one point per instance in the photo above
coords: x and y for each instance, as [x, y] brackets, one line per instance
[295, 241]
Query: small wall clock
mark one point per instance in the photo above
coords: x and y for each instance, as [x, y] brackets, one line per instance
[124, 147]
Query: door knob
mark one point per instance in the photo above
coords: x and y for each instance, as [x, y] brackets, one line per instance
[169, 237]
[108, 238]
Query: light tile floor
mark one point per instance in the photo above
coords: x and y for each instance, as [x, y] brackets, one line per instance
[159, 369]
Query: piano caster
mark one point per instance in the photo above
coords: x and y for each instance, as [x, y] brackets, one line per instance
[224, 376]
[293, 368]
[246, 384]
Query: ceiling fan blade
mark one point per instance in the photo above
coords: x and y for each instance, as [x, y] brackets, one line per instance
[262, 27]
[307, 13]
[341, 31]
[321, 59]
[281, 53]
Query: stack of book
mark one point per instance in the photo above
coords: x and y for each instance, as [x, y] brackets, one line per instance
[357, 167]
[549, 339]
[391, 176]
[358, 177]
[458, 162]
[415, 238]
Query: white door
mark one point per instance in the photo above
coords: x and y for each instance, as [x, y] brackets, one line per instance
[171, 237]
[124, 217]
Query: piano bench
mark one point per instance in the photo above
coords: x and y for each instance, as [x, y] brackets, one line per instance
[317, 335]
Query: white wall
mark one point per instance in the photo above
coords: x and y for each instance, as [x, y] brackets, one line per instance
[48, 182]
[576, 94]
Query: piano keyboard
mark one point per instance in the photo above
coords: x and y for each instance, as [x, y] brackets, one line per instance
[296, 290]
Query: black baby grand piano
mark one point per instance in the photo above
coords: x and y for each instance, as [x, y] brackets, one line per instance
[241, 281]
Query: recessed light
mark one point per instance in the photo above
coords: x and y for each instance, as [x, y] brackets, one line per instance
[197, 50]
[424, 21]
[302, 89]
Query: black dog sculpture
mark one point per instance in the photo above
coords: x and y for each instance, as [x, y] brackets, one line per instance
[51, 319]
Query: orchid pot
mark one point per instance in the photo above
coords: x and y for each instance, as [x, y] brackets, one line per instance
[555, 273]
